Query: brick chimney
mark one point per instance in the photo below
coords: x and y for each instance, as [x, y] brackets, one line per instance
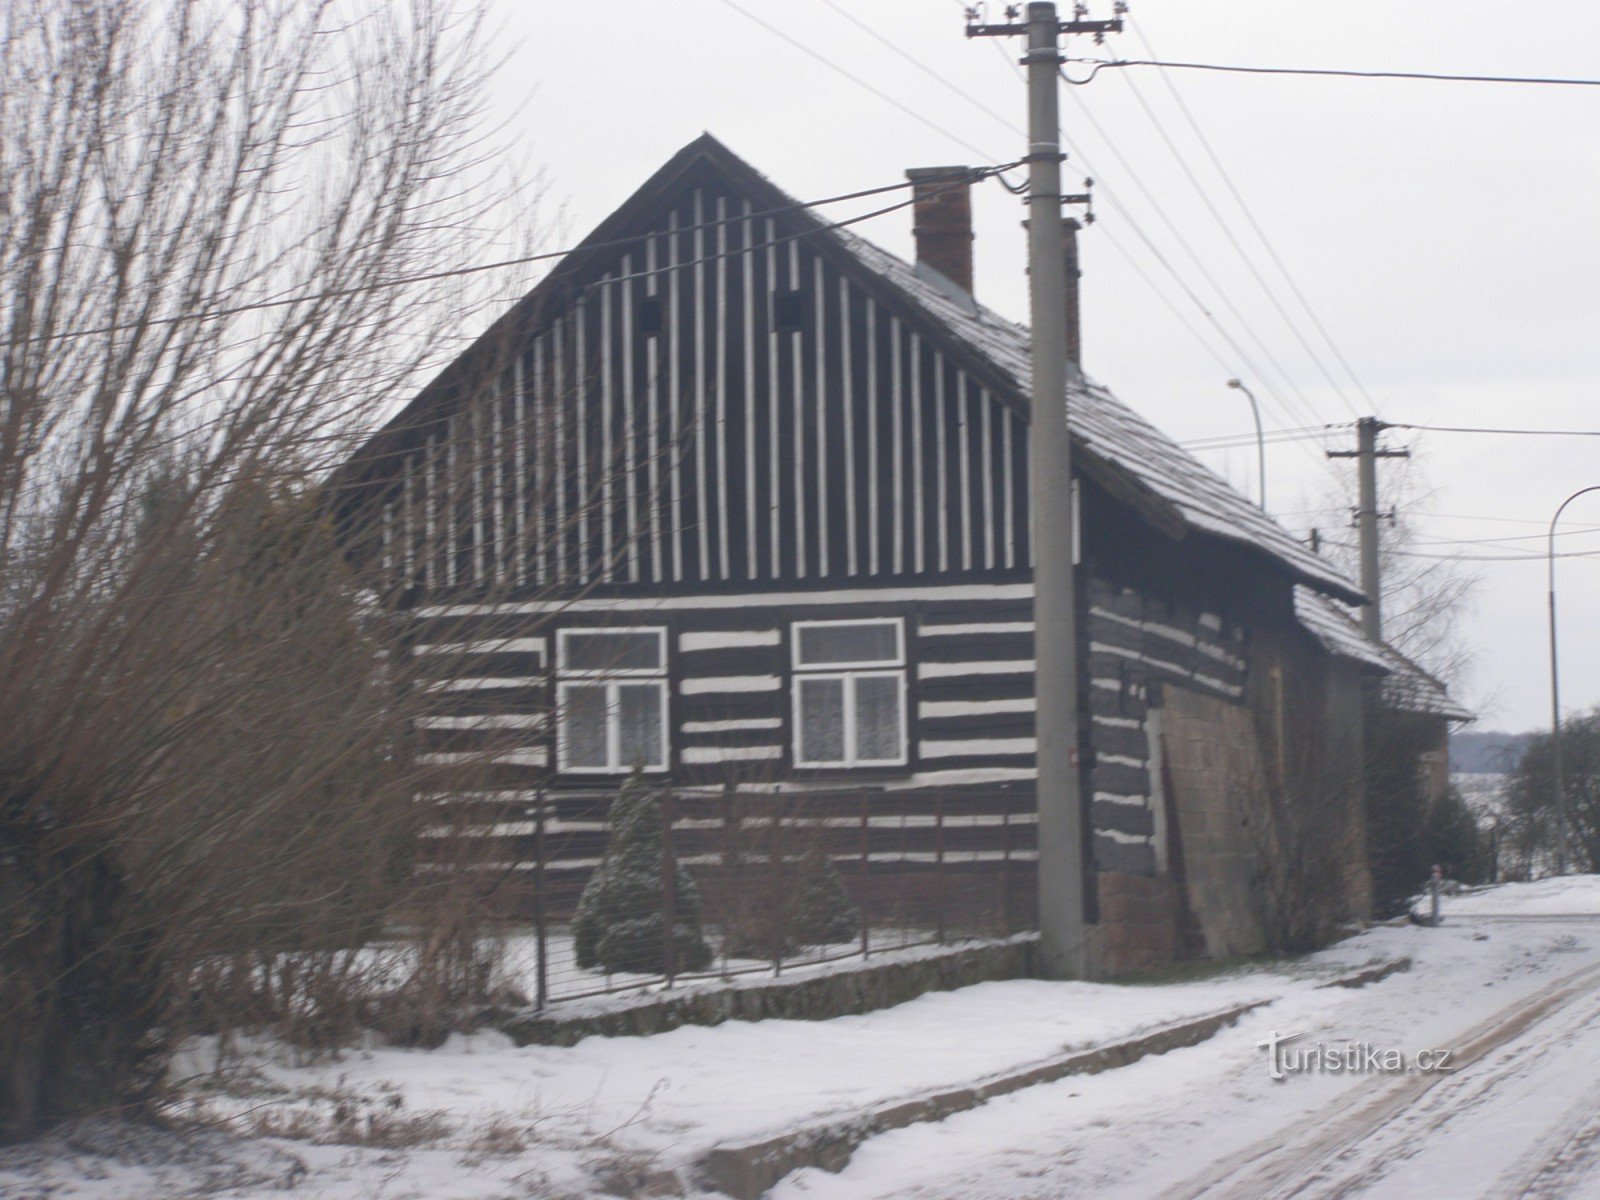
[942, 221]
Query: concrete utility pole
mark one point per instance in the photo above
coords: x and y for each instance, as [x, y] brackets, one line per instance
[1366, 455]
[1064, 935]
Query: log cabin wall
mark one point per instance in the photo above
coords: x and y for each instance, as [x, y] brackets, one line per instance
[722, 432]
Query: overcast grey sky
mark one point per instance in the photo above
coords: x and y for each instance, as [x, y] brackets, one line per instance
[1444, 234]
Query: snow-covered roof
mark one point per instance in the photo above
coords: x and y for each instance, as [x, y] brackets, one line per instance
[1405, 687]
[1105, 426]
[1337, 633]
[1411, 689]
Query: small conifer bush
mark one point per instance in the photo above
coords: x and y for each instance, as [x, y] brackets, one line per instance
[620, 923]
[823, 912]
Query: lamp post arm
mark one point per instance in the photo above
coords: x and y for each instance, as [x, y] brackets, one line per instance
[1261, 441]
[1562, 822]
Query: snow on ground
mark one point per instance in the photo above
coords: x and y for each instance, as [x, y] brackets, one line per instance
[479, 1118]
[1484, 793]
[1565, 895]
[667, 1099]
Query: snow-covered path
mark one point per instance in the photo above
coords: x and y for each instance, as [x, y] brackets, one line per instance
[1511, 985]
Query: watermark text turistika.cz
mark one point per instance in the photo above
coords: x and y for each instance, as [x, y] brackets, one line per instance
[1284, 1058]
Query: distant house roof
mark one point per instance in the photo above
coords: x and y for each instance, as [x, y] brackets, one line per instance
[1406, 687]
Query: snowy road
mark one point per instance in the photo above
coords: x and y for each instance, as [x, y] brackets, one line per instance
[1515, 998]
[1425, 1135]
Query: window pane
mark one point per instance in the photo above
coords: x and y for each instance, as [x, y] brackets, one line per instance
[611, 650]
[639, 710]
[847, 643]
[821, 720]
[583, 725]
[878, 724]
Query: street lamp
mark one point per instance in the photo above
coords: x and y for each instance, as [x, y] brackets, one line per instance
[1261, 442]
[1555, 690]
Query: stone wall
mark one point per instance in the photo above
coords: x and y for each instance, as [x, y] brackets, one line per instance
[847, 988]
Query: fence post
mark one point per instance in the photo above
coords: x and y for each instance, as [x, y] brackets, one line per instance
[776, 918]
[540, 928]
[1005, 864]
[669, 891]
[902, 887]
[938, 865]
[865, 890]
[733, 885]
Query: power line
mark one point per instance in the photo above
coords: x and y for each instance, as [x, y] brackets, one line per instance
[1111, 198]
[1229, 441]
[1541, 522]
[856, 79]
[1472, 557]
[926, 69]
[523, 260]
[1116, 243]
[1233, 240]
[1306, 412]
[974, 174]
[1138, 268]
[1013, 127]
[1100, 64]
[1165, 262]
[1506, 432]
[1513, 537]
[1250, 217]
[1127, 215]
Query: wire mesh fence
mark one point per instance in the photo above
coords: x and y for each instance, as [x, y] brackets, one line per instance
[650, 888]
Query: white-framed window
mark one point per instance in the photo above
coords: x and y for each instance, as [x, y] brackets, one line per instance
[849, 693]
[611, 700]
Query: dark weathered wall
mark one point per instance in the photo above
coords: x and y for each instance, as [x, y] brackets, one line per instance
[1214, 761]
[1346, 728]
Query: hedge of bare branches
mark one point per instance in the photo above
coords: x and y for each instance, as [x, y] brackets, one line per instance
[206, 799]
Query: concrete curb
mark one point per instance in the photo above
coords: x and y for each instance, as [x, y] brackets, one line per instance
[747, 1172]
[1369, 974]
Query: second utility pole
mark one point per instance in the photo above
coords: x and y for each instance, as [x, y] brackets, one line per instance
[1367, 455]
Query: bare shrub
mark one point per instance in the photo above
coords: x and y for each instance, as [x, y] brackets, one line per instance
[207, 788]
[500, 1138]
[1300, 802]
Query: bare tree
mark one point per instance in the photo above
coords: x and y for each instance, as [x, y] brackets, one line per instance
[227, 233]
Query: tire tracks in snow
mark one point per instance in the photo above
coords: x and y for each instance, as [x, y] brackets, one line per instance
[1567, 1153]
[1317, 1164]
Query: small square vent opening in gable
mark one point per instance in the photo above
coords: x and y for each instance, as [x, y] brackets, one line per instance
[789, 310]
[650, 319]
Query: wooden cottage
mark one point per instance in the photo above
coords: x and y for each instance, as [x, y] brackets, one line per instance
[739, 498]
